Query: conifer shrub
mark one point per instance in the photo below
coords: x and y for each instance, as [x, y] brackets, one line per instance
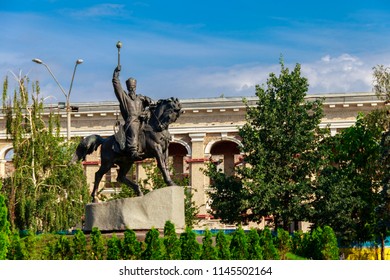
[98, 249]
[79, 246]
[254, 249]
[267, 243]
[16, 250]
[283, 242]
[222, 245]
[62, 249]
[113, 248]
[190, 248]
[131, 247]
[5, 231]
[239, 245]
[171, 242]
[153, 244]
[208, 250]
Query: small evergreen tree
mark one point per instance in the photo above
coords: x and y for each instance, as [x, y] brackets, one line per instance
[79, 246]
[113, 248]
[62, 249]
[222, 246]
[153, 249]
[208, 250]
[131, 247]
[171, 242]
[283, 241]
[190, 248]
[297, 243]
[4, 228]
[254, 248]
[267, 243]
[329, 248]
[239, 245]
[97, 244]
[16, 250]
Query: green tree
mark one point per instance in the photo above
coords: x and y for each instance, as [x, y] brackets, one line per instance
[228, 196]
[348, 194]
[190, 248]
[16, 250]
[280, 139]
[44, 192]
[239, 245]
[62, 249]
[4, 228]
[131, 247]
[254, 249]
[97, 245]
[153, 249]
[208, 250]
[283, 242]
[79, 246]
[114, 248]
[270, 252]
[171, 242]
[222, 246]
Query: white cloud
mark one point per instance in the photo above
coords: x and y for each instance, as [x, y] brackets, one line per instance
[343, 73]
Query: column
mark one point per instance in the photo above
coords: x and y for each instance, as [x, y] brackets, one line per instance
[197, 176]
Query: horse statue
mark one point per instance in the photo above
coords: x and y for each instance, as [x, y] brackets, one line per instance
[153, 142]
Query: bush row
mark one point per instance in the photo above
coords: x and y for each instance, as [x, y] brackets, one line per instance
[240, 245]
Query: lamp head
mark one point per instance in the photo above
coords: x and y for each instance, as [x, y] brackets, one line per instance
[36, 60]
[79, 61]
[119, 44]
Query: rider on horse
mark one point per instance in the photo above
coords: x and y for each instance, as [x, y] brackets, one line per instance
[132, 108]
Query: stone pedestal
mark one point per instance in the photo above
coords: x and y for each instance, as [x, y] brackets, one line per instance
[138, 213]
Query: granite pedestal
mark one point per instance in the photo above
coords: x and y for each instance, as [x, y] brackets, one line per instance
[138, 213]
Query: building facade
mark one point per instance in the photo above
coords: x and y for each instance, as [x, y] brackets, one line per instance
[207, 130]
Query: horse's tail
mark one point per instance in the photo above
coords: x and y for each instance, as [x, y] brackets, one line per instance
[87, 146]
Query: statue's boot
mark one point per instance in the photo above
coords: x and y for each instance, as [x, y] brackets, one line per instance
[134, 154]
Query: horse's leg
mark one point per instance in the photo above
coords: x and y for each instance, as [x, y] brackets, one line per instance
[162, 164]
[104, 168]
[123, 170]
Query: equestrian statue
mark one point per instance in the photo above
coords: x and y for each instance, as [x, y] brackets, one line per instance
[144, 134]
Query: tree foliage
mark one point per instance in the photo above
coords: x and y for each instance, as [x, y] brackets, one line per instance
[44, 193]
[280, 139]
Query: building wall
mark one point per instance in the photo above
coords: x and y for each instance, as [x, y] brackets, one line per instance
[208, 129]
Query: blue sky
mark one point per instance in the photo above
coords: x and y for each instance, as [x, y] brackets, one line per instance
[193, 49]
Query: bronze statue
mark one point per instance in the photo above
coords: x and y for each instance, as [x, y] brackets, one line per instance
[146, 135]
[154, 142]
[133, 109]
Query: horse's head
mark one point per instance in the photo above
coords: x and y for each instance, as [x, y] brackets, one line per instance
[167, 111]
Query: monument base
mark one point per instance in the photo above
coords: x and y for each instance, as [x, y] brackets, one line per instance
[138, 213]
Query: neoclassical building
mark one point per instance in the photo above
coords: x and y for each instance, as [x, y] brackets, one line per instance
[207, 129]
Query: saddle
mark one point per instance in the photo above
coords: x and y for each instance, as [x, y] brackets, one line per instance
[120, 137]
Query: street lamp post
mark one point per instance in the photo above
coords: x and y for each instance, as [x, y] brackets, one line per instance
[67, 95]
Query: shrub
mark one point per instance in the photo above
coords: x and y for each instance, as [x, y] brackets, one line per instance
[171, 242]
[97, 245]
[283, 242]
[267, 243]
[239, 245]
[113, 248]
[208, 250]
[131, 247]
[254, 248]
[4, 228]
[79, 246]
[153, 246]
[190, 248]
[62, 249]
[222, 246]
